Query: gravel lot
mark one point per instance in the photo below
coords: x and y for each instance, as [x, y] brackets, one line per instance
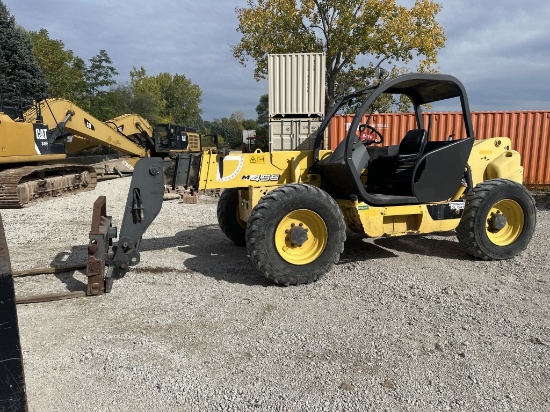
[400, 324]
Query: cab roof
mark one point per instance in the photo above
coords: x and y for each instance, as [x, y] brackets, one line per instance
[422, 88]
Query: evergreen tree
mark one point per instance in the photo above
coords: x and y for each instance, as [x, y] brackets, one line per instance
[100, 73]
[262, 110]
[18, 67]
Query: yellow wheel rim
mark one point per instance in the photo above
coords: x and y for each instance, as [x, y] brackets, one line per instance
[301, 237]
[505, 222]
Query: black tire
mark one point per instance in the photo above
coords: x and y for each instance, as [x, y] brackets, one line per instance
[499, 220]
[295, 234]
[233, 227]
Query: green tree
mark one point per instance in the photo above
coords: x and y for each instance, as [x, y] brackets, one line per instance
[100, 74]
[262, 110]
[123, 98]
[182, 99]
[18, 66]
[229, 129]
[249, 124]
[176, 98]
[149, 89]
[64, 72]
[378, 30]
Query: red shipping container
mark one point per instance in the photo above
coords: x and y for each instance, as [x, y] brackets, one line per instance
[528, 130]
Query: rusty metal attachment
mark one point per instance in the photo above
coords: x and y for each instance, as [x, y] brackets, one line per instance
[13, 395]
[46, 271]
[47, 297]
[101, 239]
[101, 234]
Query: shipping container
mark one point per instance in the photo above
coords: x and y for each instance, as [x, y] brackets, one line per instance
[528, 130]
[293, 134]
[296, 85]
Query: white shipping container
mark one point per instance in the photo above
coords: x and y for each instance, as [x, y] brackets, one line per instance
[293, 134]
[296, 84]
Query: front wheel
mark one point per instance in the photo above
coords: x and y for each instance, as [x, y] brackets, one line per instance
[295, 234]
[498, 221]
[228, 216]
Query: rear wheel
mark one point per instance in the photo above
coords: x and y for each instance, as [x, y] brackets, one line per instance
[228, 217]
[498, 221]
[295, 234]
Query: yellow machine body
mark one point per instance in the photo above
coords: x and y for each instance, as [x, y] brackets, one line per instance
[255, 174]
[292, 209]
[19, 143]
[87, 131]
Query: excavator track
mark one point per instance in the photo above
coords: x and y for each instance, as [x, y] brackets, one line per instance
[25, 185]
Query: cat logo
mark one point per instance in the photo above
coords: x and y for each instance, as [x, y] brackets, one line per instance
[89, 124]
[41, 134]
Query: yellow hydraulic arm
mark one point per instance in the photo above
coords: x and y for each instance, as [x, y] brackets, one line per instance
[131, 124]
[66, 118]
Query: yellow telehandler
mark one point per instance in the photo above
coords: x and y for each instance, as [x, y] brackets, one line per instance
[291, 209]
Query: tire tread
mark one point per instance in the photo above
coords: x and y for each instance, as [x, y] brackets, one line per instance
[266, 208]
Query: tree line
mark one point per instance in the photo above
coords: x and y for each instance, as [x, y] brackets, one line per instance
[41, 67]
[356, 37]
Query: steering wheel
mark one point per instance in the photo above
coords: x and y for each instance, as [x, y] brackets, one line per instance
[366, 138]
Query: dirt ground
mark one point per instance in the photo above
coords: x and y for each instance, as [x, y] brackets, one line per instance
[408, 324]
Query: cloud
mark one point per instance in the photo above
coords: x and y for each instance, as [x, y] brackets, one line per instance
[499, 49]
[184, 37]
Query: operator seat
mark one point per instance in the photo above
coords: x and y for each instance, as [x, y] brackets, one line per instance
[412, 146]
[393, 173]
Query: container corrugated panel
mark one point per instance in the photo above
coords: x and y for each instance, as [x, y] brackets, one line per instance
[296, 84]
[292, 134]
[528, 130]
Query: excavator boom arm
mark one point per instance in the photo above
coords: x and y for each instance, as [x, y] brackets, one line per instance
[72, 120]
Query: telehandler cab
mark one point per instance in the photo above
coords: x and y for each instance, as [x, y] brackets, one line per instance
[291, 209]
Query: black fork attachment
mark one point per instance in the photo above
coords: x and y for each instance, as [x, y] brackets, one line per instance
[142, 207]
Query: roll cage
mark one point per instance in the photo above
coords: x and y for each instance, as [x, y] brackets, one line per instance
[421, 89]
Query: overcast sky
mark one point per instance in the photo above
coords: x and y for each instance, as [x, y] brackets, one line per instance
[500, 49]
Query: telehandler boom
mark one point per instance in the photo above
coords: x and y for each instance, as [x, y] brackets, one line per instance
[291, 209]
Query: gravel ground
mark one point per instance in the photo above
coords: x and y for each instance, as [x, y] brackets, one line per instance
[400, 324]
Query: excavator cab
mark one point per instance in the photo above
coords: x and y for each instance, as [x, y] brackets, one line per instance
[171, 138]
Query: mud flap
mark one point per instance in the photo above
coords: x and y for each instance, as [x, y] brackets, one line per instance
[186, 172]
